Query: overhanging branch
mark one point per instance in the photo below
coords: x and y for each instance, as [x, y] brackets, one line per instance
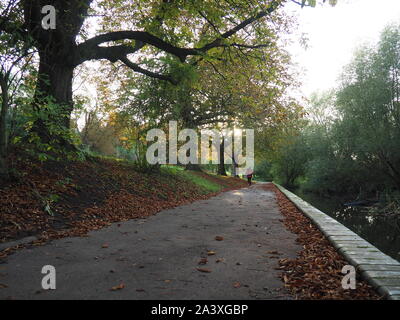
[144, 37]
[135, 67]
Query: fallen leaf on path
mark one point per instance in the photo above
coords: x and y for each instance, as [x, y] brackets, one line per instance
[219, 260]
[237, 285]
[273, 252]
[203, 261]
[285, 278]
[119, 287]
[219, 238]
[204, 270]
[105, 246]
[3, 286]
[211, 253]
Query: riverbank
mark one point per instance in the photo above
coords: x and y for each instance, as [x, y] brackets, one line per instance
[382, 231]
[316, 272]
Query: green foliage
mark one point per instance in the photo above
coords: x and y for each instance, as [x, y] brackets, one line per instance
[352, 139]
[242, 80]
[289, 163]
[262, 171]
[56, 144]
[207, 185]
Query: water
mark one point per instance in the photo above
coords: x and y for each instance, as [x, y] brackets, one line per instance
[382, 232]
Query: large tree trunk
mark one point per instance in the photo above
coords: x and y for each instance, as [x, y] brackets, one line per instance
[54, 96]
[58, 58]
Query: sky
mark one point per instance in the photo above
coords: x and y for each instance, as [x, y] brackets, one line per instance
[333, 35]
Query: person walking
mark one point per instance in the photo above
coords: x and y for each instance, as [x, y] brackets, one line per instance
[249, 175]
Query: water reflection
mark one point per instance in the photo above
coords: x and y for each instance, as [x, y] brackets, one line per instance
[382, 232]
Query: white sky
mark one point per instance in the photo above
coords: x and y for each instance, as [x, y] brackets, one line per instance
[334, 33]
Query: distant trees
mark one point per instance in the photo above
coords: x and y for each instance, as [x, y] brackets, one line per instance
[355, 143]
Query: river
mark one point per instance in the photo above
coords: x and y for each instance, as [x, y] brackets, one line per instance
[382, 232]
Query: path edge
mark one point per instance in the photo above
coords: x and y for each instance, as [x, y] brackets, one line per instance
[377, 268]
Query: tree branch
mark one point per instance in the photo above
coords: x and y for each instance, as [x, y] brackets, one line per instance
[217, 42]
[141, 37]
[135, 67]
[144, 37]
[113, 53]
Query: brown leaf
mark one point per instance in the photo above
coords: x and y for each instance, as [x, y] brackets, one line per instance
[203, 261]
[211, 253]
[204, 270]
[105, 246]
[219, 238]
[237, 285]
[285, 278]
[118, 287]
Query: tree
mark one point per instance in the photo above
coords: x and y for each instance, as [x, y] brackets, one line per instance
[180, 29]
[241, 88]
[15, 56]
[369, 106]
[352, 140]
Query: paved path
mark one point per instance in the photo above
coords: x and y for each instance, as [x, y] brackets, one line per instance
[158, 258]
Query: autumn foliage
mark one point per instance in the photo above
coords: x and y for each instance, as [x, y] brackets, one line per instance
[55, 200]
[316, 273]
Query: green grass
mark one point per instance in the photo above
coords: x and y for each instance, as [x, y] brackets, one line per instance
[205, 184]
